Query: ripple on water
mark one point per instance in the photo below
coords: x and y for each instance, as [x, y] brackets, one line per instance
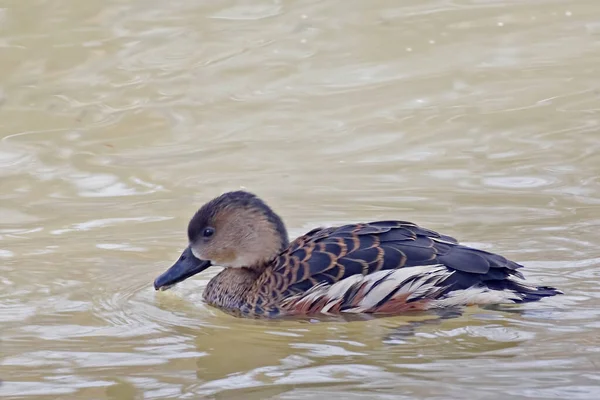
[45, 388]
[107, 222]
[83, 359]
[243, 12]
[6, 253]
[107, 185]
[297, 375]
[10, 160]
[517, 182]
[137, 309]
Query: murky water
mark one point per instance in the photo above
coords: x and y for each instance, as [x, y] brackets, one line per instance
[477, 118]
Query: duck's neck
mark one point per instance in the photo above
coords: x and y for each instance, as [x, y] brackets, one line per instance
[229, 288]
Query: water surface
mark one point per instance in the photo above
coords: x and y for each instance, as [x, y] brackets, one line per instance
[476, 118]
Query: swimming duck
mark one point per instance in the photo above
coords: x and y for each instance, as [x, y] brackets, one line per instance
[383, 267]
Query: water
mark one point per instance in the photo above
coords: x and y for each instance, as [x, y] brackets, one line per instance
[119, 118]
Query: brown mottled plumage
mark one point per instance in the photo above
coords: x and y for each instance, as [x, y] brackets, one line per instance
[384, 267]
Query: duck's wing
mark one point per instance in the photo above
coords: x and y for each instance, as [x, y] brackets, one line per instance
[386, 258]
[333, 254]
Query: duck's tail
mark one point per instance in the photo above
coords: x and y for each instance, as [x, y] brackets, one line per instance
[528, 293]
[510, 290]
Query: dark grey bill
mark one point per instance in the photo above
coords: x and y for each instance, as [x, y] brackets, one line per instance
[187, 265]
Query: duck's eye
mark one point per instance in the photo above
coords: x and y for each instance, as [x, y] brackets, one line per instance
[208, 232]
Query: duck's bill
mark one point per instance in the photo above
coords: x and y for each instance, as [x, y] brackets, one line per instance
[186, 266]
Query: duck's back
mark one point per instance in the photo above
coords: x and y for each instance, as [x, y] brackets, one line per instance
[386, 267]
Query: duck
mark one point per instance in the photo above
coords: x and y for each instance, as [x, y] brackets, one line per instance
[376, 268]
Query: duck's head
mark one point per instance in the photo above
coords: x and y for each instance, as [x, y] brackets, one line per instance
[236, 229]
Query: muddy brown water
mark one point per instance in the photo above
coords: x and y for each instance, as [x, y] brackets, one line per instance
[480, 119]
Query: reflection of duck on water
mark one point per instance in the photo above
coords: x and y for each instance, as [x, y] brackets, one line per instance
[384, 267]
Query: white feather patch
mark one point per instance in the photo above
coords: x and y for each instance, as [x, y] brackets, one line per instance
[424, 280]
[474, 295]
[338, 289]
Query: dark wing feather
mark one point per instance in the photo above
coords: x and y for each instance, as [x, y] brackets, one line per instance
[328, 255]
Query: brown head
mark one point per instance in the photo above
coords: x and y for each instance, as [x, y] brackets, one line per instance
[236, 229]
